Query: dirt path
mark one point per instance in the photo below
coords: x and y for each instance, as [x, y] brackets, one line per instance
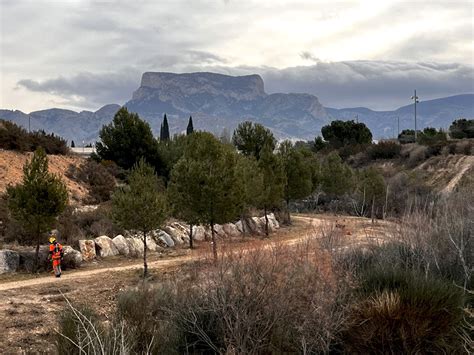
[29, 308]
[462, 166]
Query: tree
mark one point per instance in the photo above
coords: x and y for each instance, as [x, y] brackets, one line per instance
[273, 182]
[370, 189]
[249, 185]
[190, 128]
[318, 144]
[38, 200]
[343, 133]
[296, 173]
[407, 136]
[141, 205]
[336, 176]
[431, 136]
[170, 152]
[126, 140]
[165, 130]
[204, 182]
[250, 138]
[73, 145]
[462, 128]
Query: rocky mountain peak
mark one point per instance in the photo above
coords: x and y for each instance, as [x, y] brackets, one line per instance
[168, 85]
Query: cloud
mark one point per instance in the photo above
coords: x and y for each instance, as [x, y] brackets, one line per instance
[373, 84]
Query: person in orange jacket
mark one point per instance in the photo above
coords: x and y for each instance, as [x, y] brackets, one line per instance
[55, 255]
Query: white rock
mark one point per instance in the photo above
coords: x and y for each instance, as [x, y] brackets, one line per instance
[72, 257]
[219, 230]
[272, 219]
[231, 230]
[9, 261]
[166, 239]
[135, 246]
[121, 244]
[199, 233]
[256, 226]
[106, 246]
[87, 249]
[239, 226]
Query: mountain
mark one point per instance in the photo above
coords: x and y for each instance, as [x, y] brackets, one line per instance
[438, 113]
[219, 102]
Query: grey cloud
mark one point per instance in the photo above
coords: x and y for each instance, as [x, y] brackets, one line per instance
[373, 84]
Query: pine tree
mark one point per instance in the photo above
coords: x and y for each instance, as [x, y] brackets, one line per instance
[203, 183]
[250, 138]
[38, 200]
[73, 145]
[165, 130]
[273, 181]
[297, 174]
[190, 128]
[140, 205]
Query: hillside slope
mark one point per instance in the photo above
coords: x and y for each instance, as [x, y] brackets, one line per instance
[11, 171]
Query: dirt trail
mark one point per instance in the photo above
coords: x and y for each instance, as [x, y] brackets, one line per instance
[29, 308]
[462, 166]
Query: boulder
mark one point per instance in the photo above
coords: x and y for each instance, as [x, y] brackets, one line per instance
[231, 230]
[272, 219]
[255, 225]
[178, 236]
[9, 261]
[199, 233]
[239, 226]
[151, 244]
[87, 249]
[105, 246]
[166, 239]
[72, 258]
[220, 230]
[28, 259]
[122, 245]
[135, 246]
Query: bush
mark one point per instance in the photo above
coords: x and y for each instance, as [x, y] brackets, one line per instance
[13, 137]
[384, 150]
[100, 182]
[403, 312]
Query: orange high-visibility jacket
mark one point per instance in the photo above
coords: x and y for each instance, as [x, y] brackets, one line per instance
[56, 252]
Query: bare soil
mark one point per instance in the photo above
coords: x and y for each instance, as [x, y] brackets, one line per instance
[29, 305]
[11, 170]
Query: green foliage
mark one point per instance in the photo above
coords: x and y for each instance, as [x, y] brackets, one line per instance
[141, 205]
[39, 199]
[249, 184]
[336, 176]
[170, 152]
[405, 313]
[296, 173]
[431, 136]
[98, 179]
[370, 188]
[13, 137]
[273, 181]
[407, 136]
[190, 127]
[318, 144]
[342, 133]
[384, 150]
[165, 130]
[126, 140]
[462, 128]
[203, 182]
[250, 138]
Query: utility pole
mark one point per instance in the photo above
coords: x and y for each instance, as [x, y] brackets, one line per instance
[415, 99]
[398, 126]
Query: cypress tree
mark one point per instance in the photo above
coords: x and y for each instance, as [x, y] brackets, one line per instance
[161, 131]
[190, 128]
[165, 136]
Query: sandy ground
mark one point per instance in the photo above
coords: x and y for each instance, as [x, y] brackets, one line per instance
[11, 170]
[29, 306]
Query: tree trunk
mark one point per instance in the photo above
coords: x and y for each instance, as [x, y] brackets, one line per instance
[38, 238]
[145, 266]
[214, 245]
[191, 236]
[266, 221]
[373, 212]
[288, 217]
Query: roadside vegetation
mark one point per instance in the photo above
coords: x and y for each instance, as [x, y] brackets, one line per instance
[410, 293]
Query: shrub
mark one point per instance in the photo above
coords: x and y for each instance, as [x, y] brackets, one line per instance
[384, 150]
[13, 137]
[100, 182]
[462, 128]
[404, 312]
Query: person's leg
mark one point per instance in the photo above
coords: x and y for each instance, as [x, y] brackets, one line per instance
[57, 268]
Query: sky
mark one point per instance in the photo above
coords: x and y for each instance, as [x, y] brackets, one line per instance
[83, 54]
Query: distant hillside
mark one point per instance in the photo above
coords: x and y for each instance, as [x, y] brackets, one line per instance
[219, 101]
[438, 113]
